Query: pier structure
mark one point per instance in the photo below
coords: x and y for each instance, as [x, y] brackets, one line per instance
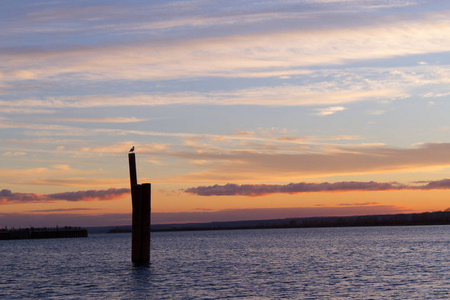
[141, 203]
[42, 233]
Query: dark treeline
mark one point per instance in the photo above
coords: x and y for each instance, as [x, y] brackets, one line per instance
[426, 218]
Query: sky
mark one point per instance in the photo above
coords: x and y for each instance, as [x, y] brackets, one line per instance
[238, 110]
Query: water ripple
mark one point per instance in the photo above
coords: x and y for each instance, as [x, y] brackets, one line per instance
[325, 263]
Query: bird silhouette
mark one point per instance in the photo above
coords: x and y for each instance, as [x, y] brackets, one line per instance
[132, 149]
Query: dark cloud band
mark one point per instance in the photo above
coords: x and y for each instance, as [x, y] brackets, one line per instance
[254, 190]
[6, 196]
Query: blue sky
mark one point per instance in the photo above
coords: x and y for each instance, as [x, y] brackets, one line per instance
[218, 92]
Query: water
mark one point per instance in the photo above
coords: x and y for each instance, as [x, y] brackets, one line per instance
[314, 263]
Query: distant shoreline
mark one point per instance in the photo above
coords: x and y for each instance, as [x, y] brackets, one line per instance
[413, 219]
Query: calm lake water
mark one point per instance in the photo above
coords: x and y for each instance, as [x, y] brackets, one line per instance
[313, 263]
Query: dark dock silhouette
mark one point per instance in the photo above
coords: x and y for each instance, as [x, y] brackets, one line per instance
[141, 202]
[42, 233]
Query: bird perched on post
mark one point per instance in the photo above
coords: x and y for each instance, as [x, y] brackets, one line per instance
[132, 149]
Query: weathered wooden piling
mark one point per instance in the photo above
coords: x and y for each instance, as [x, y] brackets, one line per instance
[141, 202]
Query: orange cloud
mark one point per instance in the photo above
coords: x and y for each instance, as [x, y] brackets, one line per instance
[74, 181]
[103, 120]
[259, 166]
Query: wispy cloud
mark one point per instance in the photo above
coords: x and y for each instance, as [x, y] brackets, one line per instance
[316, 94]
[57, 171]
[228, 55]
[329, 110]
[244, 165]
[14, 153]
[330, 86]
[124, 146]
[75, 182]
[118, 18]
[104, 120]
[63, 210]
[359, 204]
[193, 139]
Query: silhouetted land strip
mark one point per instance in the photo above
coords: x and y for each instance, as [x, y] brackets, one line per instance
[426, 218]
[42, 233]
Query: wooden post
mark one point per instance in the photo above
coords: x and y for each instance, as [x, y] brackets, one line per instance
[141, 202]
[132, 163]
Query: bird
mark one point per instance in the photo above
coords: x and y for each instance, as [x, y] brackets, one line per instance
[132, 149]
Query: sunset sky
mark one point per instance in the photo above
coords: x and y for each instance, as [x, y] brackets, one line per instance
[238, 110]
